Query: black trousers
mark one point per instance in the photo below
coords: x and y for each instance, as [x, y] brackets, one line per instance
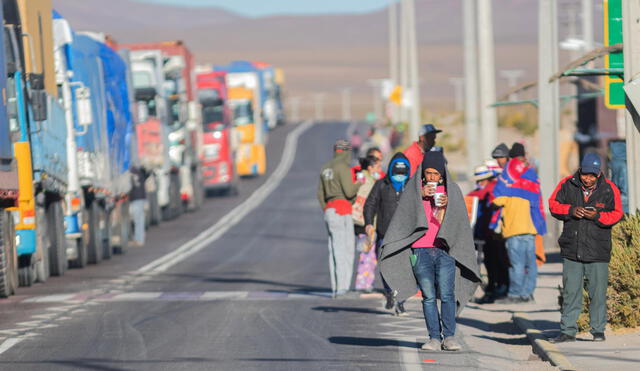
[496, 261]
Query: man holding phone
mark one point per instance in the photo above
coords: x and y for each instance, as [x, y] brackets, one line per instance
[589, 205]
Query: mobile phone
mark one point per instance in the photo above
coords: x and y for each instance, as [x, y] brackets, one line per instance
[590, 208]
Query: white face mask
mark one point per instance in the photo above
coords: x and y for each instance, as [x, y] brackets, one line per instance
[376, 175]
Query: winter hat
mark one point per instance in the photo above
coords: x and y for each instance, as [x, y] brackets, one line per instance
[591, 164]
[517, 150]
[434, 160]
[500, 151]
[482, 172]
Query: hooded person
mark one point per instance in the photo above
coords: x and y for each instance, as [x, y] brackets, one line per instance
[429, 245]
[380, 207]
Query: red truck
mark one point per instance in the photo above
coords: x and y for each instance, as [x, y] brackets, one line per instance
[218, 145]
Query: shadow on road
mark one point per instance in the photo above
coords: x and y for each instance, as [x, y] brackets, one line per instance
[350, 310]
[371, 342]
[293, 288]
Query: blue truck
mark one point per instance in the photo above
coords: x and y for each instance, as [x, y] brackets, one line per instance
[92, 79]
[38, 135]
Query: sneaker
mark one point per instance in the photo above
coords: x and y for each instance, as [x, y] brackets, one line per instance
[400, 311]
[432, 344]
[528, 299]
[562, 338]
[599, 336]
[391, 301]
[451, 344]
[486, 299]
[510, 300]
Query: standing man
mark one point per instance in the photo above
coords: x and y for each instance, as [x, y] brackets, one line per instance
[336, 194]
[138, 200]
[589, 205]
[426, 141]
[518, 193]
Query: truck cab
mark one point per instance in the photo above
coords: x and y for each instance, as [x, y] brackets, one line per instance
[250, 156]
[218, 145]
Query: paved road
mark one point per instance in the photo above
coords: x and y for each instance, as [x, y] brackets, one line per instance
[253, 297]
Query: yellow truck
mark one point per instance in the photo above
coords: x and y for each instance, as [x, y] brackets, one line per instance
[251, 158]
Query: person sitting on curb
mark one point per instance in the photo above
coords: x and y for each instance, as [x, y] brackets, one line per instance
[589, 205]
[429, 245]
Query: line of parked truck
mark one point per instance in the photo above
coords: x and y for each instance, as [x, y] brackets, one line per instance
[80, 110]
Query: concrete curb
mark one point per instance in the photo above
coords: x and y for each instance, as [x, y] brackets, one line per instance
[541, 346]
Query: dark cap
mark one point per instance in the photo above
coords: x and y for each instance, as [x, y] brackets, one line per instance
[434, 160]
[428, 128]
[500, 151]
[591, 164]
[516, 150]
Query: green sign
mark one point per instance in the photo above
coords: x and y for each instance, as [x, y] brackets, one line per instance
[613, 87]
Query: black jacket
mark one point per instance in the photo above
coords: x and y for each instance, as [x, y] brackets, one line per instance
[138, 178]
[382, 202]
[586, 240]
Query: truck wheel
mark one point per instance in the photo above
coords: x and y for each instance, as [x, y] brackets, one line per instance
[58, 247]
[123, 229]
[94, 251]
[43, 243]
[107, 249]
[154, 209]
[83, 251]
[8, 256]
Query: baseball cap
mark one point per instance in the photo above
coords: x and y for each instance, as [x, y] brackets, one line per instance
[428, 128]
[591, 164]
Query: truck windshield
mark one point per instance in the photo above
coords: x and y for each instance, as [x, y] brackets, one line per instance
[142, 79]
[211, 116]
[242, 113]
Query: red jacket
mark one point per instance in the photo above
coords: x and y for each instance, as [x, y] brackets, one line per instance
[415, 155]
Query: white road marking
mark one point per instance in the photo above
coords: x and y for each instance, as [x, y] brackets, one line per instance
[7, 344]
[214, 232]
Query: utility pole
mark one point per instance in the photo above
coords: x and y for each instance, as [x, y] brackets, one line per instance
[587, 25]
[631, 37]
[393, 55]
[458, 92]
[414, 77]
[346, 104]
[488, 118]
[319, 105]
[548, 100]
[404, 62]
[471, 103]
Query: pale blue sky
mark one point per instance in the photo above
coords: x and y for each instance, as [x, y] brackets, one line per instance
[258, 8]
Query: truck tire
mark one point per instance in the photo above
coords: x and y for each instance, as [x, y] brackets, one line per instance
[40, 271]
[94, 250]
[83, 251]
[58, 247]
[124, 229]
[107, 249]
[8, 256]
[155, 213]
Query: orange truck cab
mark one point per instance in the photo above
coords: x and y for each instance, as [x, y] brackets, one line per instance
[218, 148]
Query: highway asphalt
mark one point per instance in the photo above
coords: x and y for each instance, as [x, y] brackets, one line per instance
[255, 298]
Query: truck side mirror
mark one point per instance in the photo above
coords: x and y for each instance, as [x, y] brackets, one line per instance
[39, 105]
[143, 111]
[85, 115]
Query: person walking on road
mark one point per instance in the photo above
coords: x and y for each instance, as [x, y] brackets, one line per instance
[495, 260]
[501, 154]
[589, 205]
[426, 142]
[518, 193]
[370, 173]
[138, 200]
[336, 193]
[429, 244]
[379, 209]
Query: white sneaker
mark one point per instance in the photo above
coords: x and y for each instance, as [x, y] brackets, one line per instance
[451, 344]
[432, 344]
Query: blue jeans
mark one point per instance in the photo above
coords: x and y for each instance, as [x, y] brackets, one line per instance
[435, 271]
[523, 271]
